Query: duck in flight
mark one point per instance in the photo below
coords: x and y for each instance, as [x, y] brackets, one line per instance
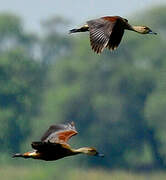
[107, 32]
[53, 144]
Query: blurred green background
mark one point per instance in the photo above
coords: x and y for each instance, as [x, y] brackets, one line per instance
[117, 100]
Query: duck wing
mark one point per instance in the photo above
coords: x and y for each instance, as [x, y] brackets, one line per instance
[100, 31]
[116, 35]
[59, 133]
[105, 32]
[49, 147]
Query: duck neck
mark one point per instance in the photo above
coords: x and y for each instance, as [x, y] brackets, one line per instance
[80, 150]
[138, 29]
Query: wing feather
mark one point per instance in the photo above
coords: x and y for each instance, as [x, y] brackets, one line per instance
[59, 133]
[116, 36]
[106, 32]
[100, 31]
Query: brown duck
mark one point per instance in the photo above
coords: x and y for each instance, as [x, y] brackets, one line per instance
[53, 144]
[107, 32]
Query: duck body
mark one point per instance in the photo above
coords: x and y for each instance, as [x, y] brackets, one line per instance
[53, 145]
[51, 151]
[47, 151]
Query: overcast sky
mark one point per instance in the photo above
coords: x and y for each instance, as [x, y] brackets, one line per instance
[33, 11]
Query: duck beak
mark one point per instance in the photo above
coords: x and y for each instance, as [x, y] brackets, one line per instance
[99, 155]
[151, 32]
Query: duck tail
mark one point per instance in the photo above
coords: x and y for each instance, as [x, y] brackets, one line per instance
[73, 31]
[25, 155]
[82, 29]
[17, 155]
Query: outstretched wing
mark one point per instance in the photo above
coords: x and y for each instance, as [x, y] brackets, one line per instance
[59, 133]
[116, 35]
[105, 32]
[100, 31]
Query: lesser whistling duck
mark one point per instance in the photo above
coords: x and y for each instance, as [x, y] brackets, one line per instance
[53, 144]
[108, 31]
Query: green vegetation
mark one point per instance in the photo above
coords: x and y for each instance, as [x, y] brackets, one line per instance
[51, 172]
[117, 100]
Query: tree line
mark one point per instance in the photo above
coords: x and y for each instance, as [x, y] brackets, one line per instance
[117, 100]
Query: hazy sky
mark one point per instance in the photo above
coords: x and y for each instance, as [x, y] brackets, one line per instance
[33, 11]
